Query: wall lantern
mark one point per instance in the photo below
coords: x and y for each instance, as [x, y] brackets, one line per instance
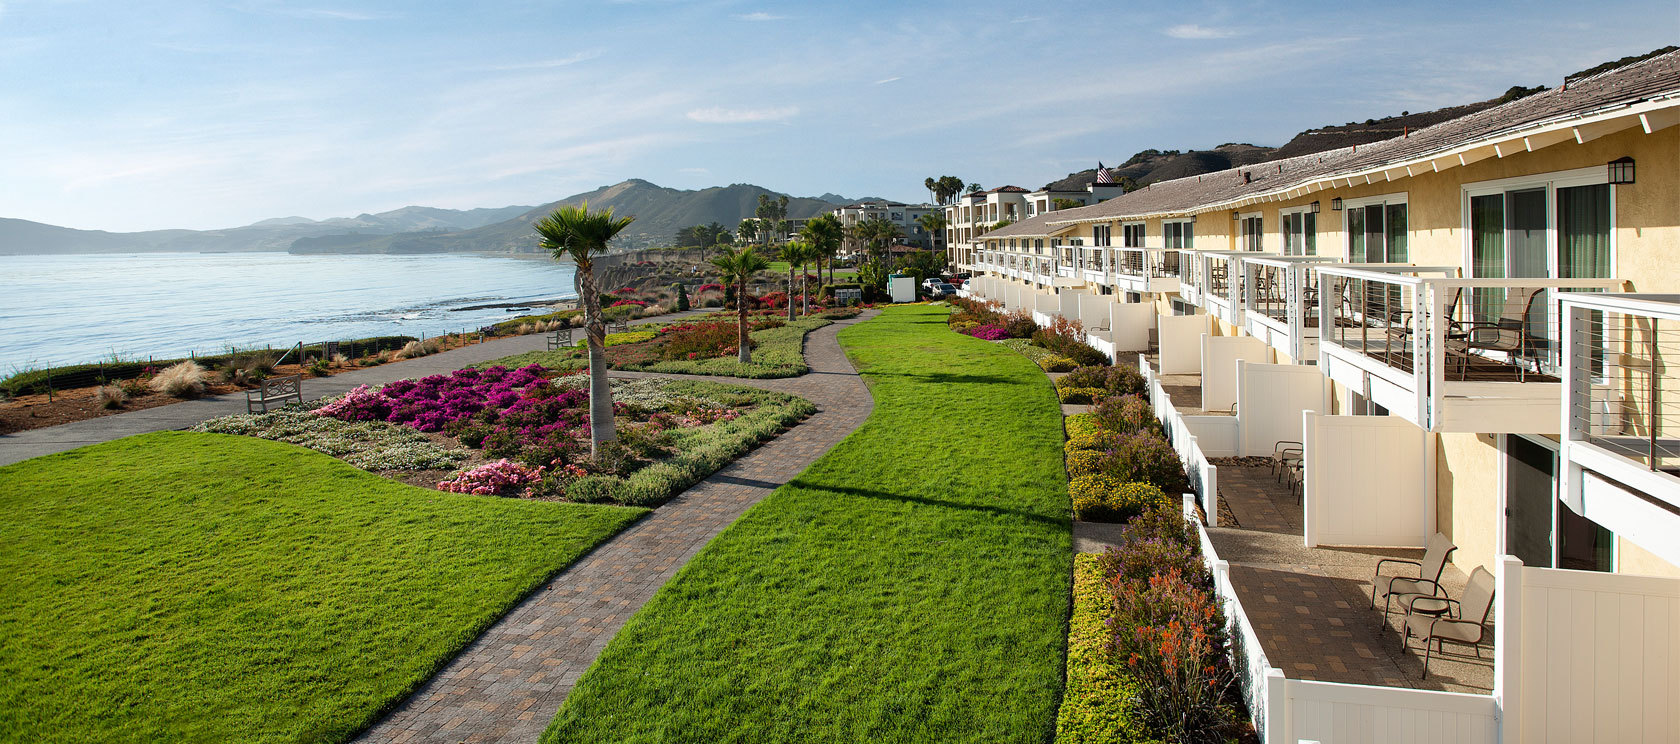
[1234, 216]
[1192, 219]
[1621, 170]
[1313, 208]
[1336, 204]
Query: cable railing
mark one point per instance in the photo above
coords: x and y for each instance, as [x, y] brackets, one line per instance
[1624, 368]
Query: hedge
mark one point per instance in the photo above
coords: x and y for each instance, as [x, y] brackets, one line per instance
[87, 375]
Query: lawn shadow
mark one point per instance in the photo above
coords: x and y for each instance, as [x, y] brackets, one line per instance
[883, 495]
[950, 377]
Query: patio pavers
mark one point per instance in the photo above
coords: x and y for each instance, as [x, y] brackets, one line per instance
[1311, 606]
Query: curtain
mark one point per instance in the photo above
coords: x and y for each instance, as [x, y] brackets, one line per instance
[1356, 235]
[1309, 233]
[1396, 214]
[1487, 251]
[1584, 232]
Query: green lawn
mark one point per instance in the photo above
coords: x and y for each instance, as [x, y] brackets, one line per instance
[910, 586]
[206, 587]
[780, 353]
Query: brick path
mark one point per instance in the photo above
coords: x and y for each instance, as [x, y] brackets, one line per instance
[507, 685]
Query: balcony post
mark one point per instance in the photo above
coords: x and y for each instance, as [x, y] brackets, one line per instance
[1651, 406]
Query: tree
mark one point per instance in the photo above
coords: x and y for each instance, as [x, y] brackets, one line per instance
[1062, 203]
[933, 222]
[932, 185]
[1127, 184]
[878, 233]
[748, 230]
[975, 188]
[583, 235]
[825, 234]
[795, 253]
[702, 237]
[947, 188]
[771, 212]
[739, 266]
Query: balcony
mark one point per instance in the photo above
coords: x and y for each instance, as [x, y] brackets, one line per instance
[1216, 283]
[1623, 415]
[1147, 269]
[1280, 306]
[1446, 353]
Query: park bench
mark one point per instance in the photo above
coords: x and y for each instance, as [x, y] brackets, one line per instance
[560, 339]
[276, 390]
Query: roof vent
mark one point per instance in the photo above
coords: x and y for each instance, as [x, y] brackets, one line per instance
[1247, 177]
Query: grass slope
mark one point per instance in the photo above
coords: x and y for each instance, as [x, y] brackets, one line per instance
[205, 587]
[910, 586]
[780, 353]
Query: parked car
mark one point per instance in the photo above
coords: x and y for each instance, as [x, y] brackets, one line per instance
[942, 289]
[931, 282]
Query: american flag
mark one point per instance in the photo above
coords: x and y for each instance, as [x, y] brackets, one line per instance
[1103, 176]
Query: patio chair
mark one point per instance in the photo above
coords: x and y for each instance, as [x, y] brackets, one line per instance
[1508, 334]
[1284, 451]
[1429, 571]
[1464, 623]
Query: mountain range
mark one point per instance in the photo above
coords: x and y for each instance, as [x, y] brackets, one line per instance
[659, 212]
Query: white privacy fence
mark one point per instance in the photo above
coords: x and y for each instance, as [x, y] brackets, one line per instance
[1180, 342]
[1270, 401]
[1587, 657]
[1220, 355]
[1203, 475]
[1287, 711]
[1368, 481]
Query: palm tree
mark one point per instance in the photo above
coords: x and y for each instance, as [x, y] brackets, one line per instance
[793, 252]
[824, 233]
[748, 230]
[934, 223]
[808, 254]
[739, 266]
[878, 233]
[932, 186]
[771, 212]
[581, 235]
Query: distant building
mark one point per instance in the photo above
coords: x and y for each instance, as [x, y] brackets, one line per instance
[976, 213]
[906, 216]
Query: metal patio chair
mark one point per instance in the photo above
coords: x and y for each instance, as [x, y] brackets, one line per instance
[1464, 623]
[1428, 579]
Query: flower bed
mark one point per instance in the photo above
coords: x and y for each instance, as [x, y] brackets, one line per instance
[523, 433]
[972, 315]
[1119, 460]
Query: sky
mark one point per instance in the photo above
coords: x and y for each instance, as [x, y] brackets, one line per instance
[144, 115]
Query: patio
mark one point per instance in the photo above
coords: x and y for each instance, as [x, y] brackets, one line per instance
[1311, 606]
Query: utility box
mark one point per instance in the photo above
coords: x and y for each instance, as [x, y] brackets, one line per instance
[901, 287]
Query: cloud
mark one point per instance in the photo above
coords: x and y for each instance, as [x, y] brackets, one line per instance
[888, 80]
[761, 16]
[545, 64]
[1194, 31]
[720, 115]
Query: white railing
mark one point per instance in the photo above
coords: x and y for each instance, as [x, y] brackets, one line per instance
[1217, 276]
[1280, 303]
[1447, 354]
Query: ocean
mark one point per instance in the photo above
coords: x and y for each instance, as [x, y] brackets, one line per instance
[60, 310]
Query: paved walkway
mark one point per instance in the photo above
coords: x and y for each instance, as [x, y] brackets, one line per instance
[23, 445]
[507, 685]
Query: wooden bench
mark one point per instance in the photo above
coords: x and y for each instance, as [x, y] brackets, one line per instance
[276, 390]
[560, 339]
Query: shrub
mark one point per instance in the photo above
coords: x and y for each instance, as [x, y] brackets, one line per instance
[988, 332]
[701, 340]
[1125, 414]
[183, 380]
[1055, 363]
[629, 303]
[682, 297]
[1145, 458]
[319, 368]
[1170, 634]
[492, 479]
[1119, 379]
[1095, 440]
[1019, 324]
[1067, 346]
[1099, 700]
[110, 396]
[628, 337]
[417, 349]
[1080, 424]
[1078, 395]
[1083, 462]
[369, 445]
[1102, 498]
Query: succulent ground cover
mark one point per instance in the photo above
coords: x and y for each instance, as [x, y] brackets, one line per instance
[184, 586]
[525, 432]
[909, 586]
[706, 345]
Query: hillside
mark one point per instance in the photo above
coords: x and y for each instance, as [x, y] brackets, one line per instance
[659, 213]
[1150, 166]
[22, 237]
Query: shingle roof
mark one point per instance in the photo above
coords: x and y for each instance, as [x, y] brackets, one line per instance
[1651, 79]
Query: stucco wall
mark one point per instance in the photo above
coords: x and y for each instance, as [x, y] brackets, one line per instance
[1467, 496]
[1632, 559]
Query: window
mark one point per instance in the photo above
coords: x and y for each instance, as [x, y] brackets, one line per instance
[1249, 238]
[1540, 529]
[1100, 234]
[1179, 234]
[1376, 229]
[1131, 234]
[1038, 245]
[1543, 227]
[1300, 232]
